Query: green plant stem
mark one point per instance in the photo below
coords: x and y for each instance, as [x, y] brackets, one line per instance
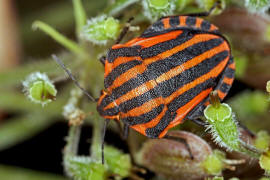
[67, 43]
[71, 148]
[96, 140]
[80, 16]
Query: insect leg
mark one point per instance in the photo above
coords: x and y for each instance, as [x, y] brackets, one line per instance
[181, 140]
[126, 131]
[124, 31]
[102, 59]
[246, 129]
[199, 122]
[106, 122]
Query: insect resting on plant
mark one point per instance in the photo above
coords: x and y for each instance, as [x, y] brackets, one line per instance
[163, 77]
[156, 81]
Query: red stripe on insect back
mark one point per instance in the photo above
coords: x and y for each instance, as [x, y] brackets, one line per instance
[133, 93]
[181, 112]
[198, 22]
[120, 60]
[228, 80]
[213, 27]
[184, 110]
[221, 94]
[166, 23]
[232, 66]
[170, 74]
[144, 108]
[151, 41]
[213, 73]
[142, 127]
[196, 39]
[182, 20]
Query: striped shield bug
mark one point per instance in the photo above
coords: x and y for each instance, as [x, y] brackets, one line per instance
[158, 80]
[163, 77]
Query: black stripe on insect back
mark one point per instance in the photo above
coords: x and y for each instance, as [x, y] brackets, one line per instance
[225, 87]
[117, 71]
[184, 98]
[139, 100]
[174, 21]
[230, 73]
[162, 124]
[144, 118]
[178, 102]
[157, 68]
[154, 28]
[168, 87]
[190, 21]
[205, 25]
[123, 52]
[167, 45]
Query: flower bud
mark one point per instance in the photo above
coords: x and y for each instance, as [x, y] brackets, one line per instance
[39, 88]
[100, 30]
[257, 6]
[154, 9]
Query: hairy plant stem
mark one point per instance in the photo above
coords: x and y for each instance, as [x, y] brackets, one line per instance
[71, 148]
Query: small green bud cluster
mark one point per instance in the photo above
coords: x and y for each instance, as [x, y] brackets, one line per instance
[39, 88]
[87, 168]
[257, 6]
[154, 9]
[213, 164]
[264, 161]
[262, 140]
[99, 30]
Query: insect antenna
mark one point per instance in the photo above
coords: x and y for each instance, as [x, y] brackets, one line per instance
[60, 63]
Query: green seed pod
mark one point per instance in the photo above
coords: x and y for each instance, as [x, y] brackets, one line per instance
[170, 158]
[222, 126]
[100, 30]
[154, 9]
[39, 88]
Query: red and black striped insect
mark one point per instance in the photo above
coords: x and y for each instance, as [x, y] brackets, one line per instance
[156, 81]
